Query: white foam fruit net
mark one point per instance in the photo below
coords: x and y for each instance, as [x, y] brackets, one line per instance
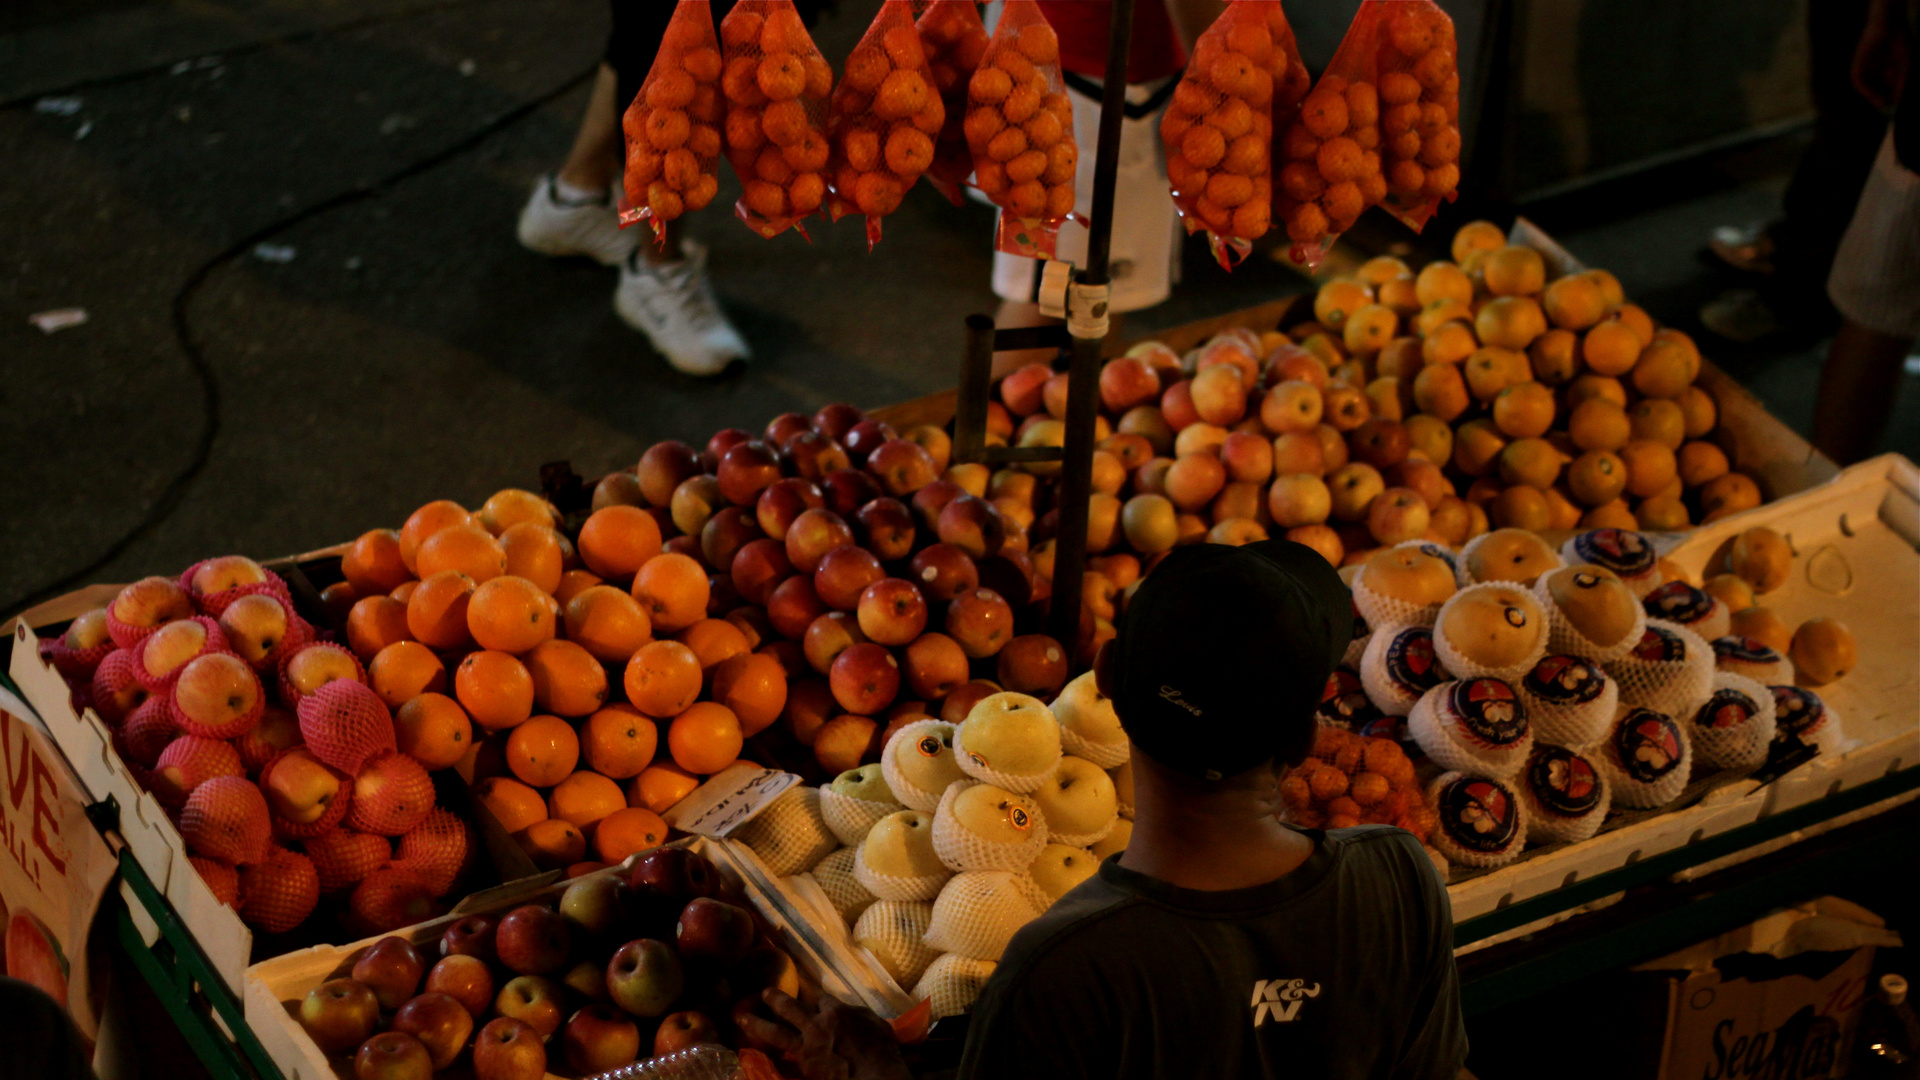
[1480, 821]
[1381, 610]
[1670, 671]
[1733, 729]
[951, 984]
[835, 877]
[1464, 576]
[1389, 694]
[961, 848]
[894, 886]
[1565, 793]
[1640, 582]
[894, 931]
[789, 833]
[1107, 755]
[1563, 637]
[978, 912]
[849, 818]
[980, 768]
[1552, 693]
[1745, 656]
[1458, 660]
[1804, 716]
[903, 741]
[1646, 757]
[1453, 742]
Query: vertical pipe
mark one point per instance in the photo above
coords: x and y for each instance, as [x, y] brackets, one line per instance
[976, 373]
[1076, 466]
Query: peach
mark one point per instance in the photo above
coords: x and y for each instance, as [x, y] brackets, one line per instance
[1295, 405]
[1127, 382]
[1352, 488]
[1299, 499]
[1397, 515]
[1193, 480]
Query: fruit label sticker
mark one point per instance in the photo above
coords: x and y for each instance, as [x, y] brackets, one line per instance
[1797, 712]
[1727, 708]
[1562, 781]
[1344, 702]
[1478, 814]
[1516, 617]
[1677, 601]
[1411, 662]
[1018, 817]
[1746, 649]
[1445, 555]
[728, 799]
[1489, 711]
[1647, 745]
[930, 746]
[1565, 680]
[1660, 645]
[1625, 553]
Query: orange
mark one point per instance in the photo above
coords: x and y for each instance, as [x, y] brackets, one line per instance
[1521, 507]
[404, 670]
[469, 549]
[1523, 410]
[552, 843]
[607, 623]
[375, 623]
[1449, 343]
[513, 804]
[617, 540]
[1588, 386]
[672, 589]
[1613, 515]
[583, 868]
[543, 751]
[1597, 477]
[573, 583]
[1510, 322]
[403, 593]
[754, 686]
[437, 610]
[1369, 328]
[1611, 348]
[1441, 312]
[626, 831]
[1659, 420]
[373, 563]
[1664, 369]
[1337, 300]
[1728, 493]
[1442, 281]
[584, 798]
[1638, 321]
[618, 741]
[1700, 409]
[535, 552]
[903, 93]
[660, 786]
[1599, 424]
[1650, 467]
[1700, 462]
[1555, 356]
[510, 506]
[423, 523]
[705, 738]
[495, 689]
[1611, 294]
[510, 614]
[714, 640]
[663, 678]
[1477, 236]
[567, 680]
[433, 729]
[1574, 302]
[1533, 462]
[1515, 271]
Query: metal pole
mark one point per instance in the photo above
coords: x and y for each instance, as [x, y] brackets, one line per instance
[1083, 392]
[976, 371]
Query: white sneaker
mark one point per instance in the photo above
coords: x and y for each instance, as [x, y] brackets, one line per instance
[674, 305]
[552, 227]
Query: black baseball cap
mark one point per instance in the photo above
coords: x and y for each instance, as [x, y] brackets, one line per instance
[1223, 652]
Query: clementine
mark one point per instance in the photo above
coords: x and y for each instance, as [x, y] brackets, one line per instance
[618, 741]
[543, 751]
[705, 738]
[567, 680]
[433, 729]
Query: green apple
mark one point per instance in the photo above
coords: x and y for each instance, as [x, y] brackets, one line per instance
[1078, 799]
[993, 814]
[868, 782]
[922, 752]
[1083, 710]
[1116, 840]
[1011, 734]
[1058, 868]
[901, 845]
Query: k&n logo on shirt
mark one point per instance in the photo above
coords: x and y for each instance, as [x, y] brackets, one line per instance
[1279, 999]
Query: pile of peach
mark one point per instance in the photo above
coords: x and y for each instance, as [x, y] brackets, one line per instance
[672, 128]
[776, 85]
[1218, 130]
[886, 114]
[1020, 126]
[1419, 103]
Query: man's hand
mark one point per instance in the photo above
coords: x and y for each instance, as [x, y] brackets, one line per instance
[831, 1041]
[1880, 61]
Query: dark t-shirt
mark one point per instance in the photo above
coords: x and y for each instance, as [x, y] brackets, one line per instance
[1342, 968]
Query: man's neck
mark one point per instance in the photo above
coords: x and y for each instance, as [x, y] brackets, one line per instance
[1209, 840]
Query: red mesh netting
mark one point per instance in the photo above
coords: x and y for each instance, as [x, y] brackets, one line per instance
[1354, 779]
[436, 849]
[330, 817]
[116, 693]
[775, 85]
[213, 604]
[344, 724]
[886, 113]
[188, 762]
[1020, 126]
[343, 858]
[226, 818]
[147, 732]
[222, 880]
[279, 893]
[74, 663]
[955, 40]
[392, 793]
[673, 125]
[390, 899]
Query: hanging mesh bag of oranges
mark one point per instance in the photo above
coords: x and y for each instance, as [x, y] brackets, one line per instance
[886, 114]
[1020, 127]
[1327, 161]
[673, 125]
[1218, 129]
[775, 84]
[1419, 88]
[956, 40]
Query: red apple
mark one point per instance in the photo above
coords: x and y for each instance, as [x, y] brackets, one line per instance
[793, 605]
[810, 705]
[961, 700]
[1053, 396]
[441, 1024]
[1422, 476]
[534, 1000]
[1024, 391]
[903, 467]
[813, 534]
[981, 621]
[693, 502]
[934, 666]
[892, 611]
[999, 420]
[599, 1038]
[1034, 664]
[863, 438]
[532, 940]
[943, 571]
[711, 929]
[725, 533]
[828, 636]
[1176, 406]
[508, 1049]
[685, 545]
[865, 678]
[786, 426]
[672, 873]
[588, 979]
[972, 525]
[785, 500]
[759, 568]
[645, 977]
[1127, 382]
[811, 455]
[791, 657]
[391, 968]
[837, 419]
[886, 527]
[470, 936]
[746, 470]
[1011, 574]
[718, 446]
[664, 467]
[930, 500]
[339, 1014]
[722, 597]
[848, 490]
[681, 1030]
[392, 1055]
[1380, 442]
[843, 574]
[465, 979]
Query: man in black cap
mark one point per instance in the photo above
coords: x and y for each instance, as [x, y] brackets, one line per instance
[1221, 942]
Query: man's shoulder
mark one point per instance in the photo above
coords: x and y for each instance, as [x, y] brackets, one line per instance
[1088, 910]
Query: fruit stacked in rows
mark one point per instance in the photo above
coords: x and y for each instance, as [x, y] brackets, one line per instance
[963, 833]
[282, 769]
[626, 965]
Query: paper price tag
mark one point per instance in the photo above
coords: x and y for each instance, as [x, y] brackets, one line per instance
[731, 796]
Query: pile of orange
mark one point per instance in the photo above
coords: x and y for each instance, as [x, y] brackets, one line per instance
[1020, 124]
[1218, 130]
[673, 126]
[886, 114]
[776, 85]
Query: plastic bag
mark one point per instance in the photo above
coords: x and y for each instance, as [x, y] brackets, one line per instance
[775, 84]
[1218, 130]
[673, 125]
[886, 114]
[956, 40]
[1419, 86]
[1020, 127]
